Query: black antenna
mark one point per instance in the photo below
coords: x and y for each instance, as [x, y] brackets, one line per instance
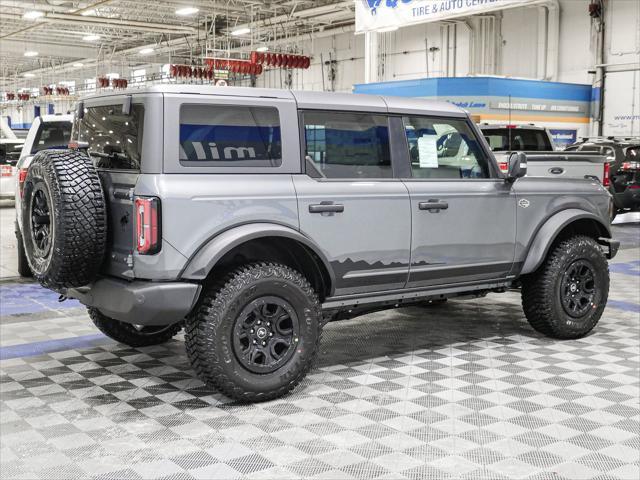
[509, 125]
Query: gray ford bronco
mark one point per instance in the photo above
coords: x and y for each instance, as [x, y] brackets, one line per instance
[252, 217]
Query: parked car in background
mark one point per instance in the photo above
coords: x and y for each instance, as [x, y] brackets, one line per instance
[46, 132]
[542, 159]
[10, 146]
[623, 154]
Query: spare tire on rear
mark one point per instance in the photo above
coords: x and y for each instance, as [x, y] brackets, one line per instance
[64, 224]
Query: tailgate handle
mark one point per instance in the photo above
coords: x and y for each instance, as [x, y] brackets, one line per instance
[556, 170]
[122, 194]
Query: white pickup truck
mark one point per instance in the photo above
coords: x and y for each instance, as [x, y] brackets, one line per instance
[542, 159]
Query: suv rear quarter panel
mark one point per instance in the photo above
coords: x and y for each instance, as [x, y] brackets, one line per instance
[197, 207]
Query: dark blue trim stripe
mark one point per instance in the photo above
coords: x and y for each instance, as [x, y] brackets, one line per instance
[480, 86]
[626, 306]
[49, 346]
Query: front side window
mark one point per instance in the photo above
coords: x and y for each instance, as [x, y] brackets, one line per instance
[347, 145]
[444, 148]
[230, 136]
[52, 135]
[114, 139]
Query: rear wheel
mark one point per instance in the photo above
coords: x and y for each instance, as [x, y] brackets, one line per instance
[133, 335]
[566, 296]
[255, 334]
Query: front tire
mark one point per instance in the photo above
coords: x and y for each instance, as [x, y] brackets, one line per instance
[566, 296]
[256, 332]
[133, 335]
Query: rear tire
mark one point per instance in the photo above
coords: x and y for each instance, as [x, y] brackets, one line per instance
[566, 296]
[256, 332]
[132, 335]
[23, 264]
[64, 225]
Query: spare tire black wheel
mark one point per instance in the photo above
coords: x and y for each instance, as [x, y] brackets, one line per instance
[64, 219]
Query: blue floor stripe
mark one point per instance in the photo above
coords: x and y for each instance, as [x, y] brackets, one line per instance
[49, 346]
[626, 306]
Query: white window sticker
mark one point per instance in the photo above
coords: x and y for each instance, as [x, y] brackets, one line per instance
[428, 151]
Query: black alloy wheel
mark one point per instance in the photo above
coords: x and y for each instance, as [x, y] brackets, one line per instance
[578, 288]
[265, 334]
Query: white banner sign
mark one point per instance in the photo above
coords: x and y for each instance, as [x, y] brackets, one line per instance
[381, 15]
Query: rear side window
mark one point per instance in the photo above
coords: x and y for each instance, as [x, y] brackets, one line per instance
[505, 139]
[114, 139]
[52, 135]
[347, 145]
[230, 136]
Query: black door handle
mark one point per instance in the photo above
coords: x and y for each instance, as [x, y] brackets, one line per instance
[326, 208]
[433, 205]
[556, 170]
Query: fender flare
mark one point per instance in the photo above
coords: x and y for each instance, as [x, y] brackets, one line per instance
[547, 234]
[206, 257]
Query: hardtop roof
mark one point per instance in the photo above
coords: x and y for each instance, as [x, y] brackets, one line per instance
[305, 99]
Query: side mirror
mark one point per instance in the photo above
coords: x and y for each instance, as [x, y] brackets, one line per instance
[517, 166]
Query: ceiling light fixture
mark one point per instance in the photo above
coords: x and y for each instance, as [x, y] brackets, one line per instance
[91, 37]
[263, 48]
[30, 53]
[33, 15]
[183, 12]
[240, 31]
[88, 13]
[146, 51]
[77, 65]
[29, 75]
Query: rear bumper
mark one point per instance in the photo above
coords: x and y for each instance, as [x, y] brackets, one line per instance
[139, 302]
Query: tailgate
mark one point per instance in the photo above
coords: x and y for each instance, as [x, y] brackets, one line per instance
[118, 190]
[572, 169]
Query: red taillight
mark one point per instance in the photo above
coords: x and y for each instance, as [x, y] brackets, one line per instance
[22, 176]
[147, 225]
[504, 167]
[512, 126]
[606, 175]
[634, 187]
[6, 170]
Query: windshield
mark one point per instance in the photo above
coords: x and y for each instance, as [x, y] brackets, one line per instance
[52, 135]
[521, 139]
[114, 139]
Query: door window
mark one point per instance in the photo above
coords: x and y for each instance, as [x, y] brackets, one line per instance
[444, 148]
[347, 145]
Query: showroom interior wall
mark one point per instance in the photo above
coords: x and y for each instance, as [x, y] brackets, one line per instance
[512, 42]
[508, 43]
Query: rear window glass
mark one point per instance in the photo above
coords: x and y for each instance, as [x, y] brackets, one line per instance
[224, 136]
[52, 135]
[506, 139]
[114, 139]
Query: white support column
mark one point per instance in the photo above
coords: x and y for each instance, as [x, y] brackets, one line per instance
[370, 57]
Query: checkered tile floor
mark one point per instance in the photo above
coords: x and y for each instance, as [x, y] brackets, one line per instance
[465, 390]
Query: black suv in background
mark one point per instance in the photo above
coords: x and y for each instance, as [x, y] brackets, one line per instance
[624, 165]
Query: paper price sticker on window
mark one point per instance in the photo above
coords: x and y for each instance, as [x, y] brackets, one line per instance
[428, 151]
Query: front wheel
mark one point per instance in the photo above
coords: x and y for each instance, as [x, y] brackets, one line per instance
[256, 332]
[566, 296]
[133, 335]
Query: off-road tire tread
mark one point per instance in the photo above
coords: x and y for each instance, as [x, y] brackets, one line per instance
[127, 334]
[538, 292]
[23, 263]
[80, 219]
[205, 361]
